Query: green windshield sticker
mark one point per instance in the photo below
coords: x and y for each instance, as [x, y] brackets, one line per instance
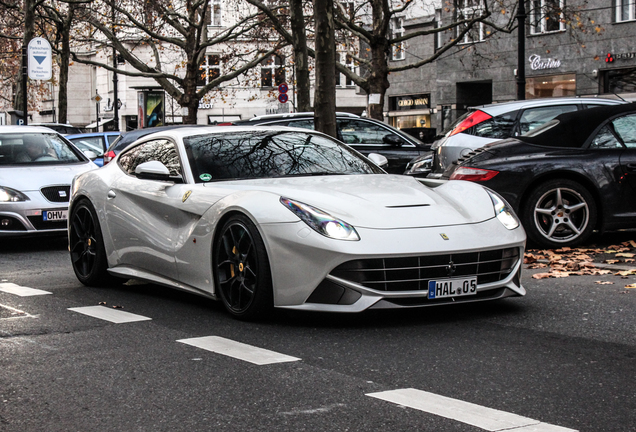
[206, 177]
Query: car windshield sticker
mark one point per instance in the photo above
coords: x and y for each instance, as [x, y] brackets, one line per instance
[206, 177]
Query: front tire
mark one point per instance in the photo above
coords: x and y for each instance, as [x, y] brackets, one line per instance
[241, 269]
[86, 244]
[559, 213]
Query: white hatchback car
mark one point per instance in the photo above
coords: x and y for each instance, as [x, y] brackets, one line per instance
[37, 166]
[487, 123]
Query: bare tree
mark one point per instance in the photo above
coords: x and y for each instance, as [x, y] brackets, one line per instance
[176, 33]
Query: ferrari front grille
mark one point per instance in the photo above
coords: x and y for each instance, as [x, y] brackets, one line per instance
[414, 273]
[56, 193]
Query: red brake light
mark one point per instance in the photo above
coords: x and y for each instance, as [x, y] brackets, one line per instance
[109, 156]
[475, 118]
[473, 174]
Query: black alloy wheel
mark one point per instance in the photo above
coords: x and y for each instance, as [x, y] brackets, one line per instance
[241, 269]
[559, 213]
[86, 245]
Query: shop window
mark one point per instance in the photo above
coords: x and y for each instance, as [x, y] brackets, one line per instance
[209, 70]
[397, 31]
[546, 16]
[619, 80]
[625, 10]
[551, 86]
[272, 71]
[469, 9]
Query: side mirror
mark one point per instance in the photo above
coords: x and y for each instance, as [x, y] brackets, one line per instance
[90, 154]
[153, 170]
[378, 159]
[393, 140]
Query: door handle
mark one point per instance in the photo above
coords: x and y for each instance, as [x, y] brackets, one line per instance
[111, 194]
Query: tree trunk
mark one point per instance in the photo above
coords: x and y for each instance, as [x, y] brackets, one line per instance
[325, 89]
[64, 59]
[378, 80]
[301, 58]
[29, 19]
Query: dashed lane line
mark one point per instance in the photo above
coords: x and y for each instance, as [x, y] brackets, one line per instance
[108, 314]
[466, 412]
[238, 350]
[21, 291]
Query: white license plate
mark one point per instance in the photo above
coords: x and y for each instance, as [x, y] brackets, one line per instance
[443, 288]
[55, 215]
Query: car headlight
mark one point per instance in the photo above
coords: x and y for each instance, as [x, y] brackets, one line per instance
[321, 222]
[11, 195]
[420, 166]
[503, 211]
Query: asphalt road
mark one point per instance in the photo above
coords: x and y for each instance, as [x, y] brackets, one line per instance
[562, 358]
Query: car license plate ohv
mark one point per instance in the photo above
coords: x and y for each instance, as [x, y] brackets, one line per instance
[443, 288]
[55, 215]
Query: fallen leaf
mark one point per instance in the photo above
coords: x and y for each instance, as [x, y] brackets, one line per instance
[611, 261]
[631, 286]
[604, 282]
[625, 255]
[626, 272]
[541, 276]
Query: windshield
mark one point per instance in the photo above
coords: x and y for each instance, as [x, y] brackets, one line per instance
[267, 154]
[36, 148]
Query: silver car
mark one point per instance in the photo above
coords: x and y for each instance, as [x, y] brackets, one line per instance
[487, 123]
[37, 166]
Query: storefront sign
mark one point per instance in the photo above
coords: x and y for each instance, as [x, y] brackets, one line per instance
[410, 102]
[538, 63]
[621, 56]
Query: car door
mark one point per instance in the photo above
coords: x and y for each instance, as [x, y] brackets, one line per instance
[625, 127]
[369, 137]
[143, 214]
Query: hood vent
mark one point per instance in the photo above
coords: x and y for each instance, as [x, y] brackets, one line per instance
[408, 205]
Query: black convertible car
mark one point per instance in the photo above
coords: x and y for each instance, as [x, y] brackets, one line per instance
[575, 174]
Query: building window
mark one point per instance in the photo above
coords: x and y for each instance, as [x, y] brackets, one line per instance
[625, 10]
[466, 10]
[551, 86]
[341, 79]
[397, 31]
[209, 70]
[547, 16]
[215, 13]
[619, 80]
[272, 71]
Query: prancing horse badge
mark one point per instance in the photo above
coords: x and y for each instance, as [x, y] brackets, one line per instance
[186, 196]
[444, 236]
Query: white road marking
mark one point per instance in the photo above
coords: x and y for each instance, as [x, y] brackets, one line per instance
[238, 350]
[108, 314]
[466, 412]
[21, 291]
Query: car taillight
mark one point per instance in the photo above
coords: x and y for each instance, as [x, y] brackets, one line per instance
[475, 118]
[473, 174]
[109, 156]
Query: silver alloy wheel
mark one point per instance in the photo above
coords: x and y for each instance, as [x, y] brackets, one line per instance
[561, 215]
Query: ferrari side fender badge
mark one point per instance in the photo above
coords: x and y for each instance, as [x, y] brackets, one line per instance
[186, 196]
[444, 236]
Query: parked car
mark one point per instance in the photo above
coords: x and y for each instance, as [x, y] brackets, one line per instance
[127, 138]
[363, 134]
[62, 128]
[574, 174]
[273, 216]
[97, 142]
[487, 123]
[37, 166]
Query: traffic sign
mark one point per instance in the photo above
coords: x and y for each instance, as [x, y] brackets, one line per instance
[40, 57]
[282, 98]
[283, 88]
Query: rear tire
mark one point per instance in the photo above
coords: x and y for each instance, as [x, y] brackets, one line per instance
[241, 269]
[86, 244]
[559, 213]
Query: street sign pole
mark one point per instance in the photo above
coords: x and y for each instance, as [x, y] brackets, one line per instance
[24, 85]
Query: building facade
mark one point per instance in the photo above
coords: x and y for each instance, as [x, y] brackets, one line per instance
[582, 48]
